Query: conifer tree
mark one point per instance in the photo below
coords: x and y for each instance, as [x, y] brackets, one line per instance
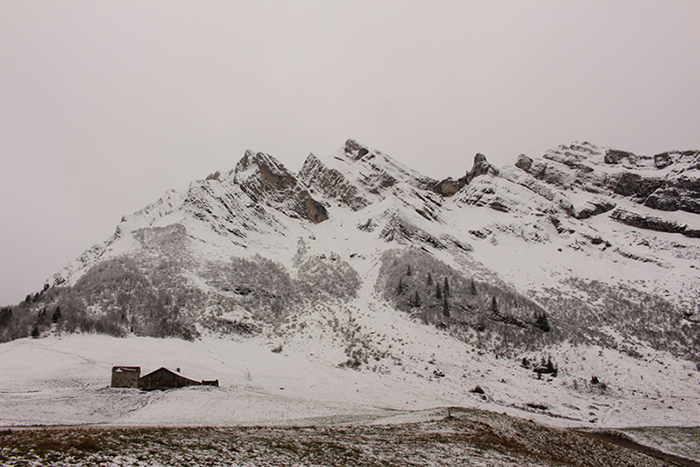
[401, 288]
[5, 316]
[430, 279]
[416, 300]
[494, 305]
[408, 270]
[446, 288]
[56, 315]
[473, 288]
[438, 292]
[445, 307]
[542, 322]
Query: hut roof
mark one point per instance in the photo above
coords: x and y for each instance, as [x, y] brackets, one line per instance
[176, 373]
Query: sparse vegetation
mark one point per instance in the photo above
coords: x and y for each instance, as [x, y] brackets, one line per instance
[150, 294]
[582, 318]
[492, 316]
[466, 437]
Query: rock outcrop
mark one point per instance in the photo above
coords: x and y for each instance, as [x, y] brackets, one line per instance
[481, 166]
[653, 223]
[265, 180]
[669, 181]
[357, 176]
[332, 183]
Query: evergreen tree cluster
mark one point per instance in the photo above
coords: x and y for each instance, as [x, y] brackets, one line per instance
[420, 284]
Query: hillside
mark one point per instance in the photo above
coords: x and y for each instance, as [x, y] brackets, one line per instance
[564, 286]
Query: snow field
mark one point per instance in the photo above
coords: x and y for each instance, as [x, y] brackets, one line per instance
[64, 380]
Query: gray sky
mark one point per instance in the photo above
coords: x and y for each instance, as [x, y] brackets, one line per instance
[105, 105]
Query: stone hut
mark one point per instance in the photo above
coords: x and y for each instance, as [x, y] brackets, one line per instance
[125, 376]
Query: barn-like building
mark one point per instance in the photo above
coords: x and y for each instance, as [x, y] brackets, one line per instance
[163, 378]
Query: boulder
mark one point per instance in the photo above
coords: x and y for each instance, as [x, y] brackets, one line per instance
[524, 162]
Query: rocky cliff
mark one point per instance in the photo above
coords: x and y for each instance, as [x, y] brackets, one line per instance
[535, 253]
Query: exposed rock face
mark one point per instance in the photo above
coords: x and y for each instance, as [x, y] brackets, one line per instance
[669, 181]
[260, 175]
[615, 156]
[399, 229]
[224, 210]
[691, 159]
[384, 171]
[357, 176]
[634, 184]
[449, 186]
[331, 182]
[661, 161]
[575, 156]
[481, 167]
[355, 150]
[315, 211]
[265, 180]
[551, 172]
[593, 208]
[681, 194]
[652, 223]
[524, 162]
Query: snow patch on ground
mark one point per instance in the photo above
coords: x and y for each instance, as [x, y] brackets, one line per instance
[65, 380]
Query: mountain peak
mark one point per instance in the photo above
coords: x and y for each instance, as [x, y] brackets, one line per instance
[355, 149]
[358, 176]
[450, 186]
[266, 180]
[274, 173]
[481, 167]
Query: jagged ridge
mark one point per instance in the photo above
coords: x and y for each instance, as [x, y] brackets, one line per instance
[203, 260]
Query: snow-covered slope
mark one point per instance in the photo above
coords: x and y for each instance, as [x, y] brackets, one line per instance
[527, 281]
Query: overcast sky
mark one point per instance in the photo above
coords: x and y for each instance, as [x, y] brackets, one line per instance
[105, 105]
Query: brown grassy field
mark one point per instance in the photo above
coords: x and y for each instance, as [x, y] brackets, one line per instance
[469, 437]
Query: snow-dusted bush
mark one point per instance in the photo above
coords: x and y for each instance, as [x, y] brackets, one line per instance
[260, 286]
[329, 275]
[588, 315]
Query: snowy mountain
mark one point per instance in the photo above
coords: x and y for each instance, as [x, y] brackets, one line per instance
[579, 264]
